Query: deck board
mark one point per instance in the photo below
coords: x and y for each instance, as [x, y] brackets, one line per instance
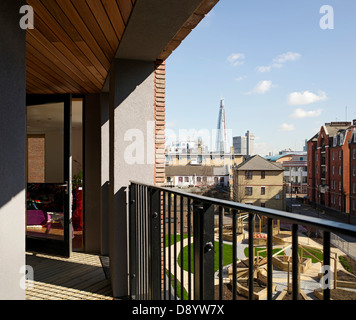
[80, 277]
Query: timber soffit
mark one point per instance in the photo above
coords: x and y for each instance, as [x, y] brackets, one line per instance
[73, 44]
[71, 48]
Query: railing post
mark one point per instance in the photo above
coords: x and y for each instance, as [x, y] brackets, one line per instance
[251, 255]
[132, 240]
[269, 257]
[295, 263]
[327, 267]
[203, 218]
[154, 254]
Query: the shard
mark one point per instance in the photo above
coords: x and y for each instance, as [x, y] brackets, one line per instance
[221, 134]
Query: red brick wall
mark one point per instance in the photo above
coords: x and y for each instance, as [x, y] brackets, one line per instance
[160, 120]
[311, 147]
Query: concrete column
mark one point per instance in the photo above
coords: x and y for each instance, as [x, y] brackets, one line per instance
[12, 155]
[92, 173]
[131, 152]
[105, 174]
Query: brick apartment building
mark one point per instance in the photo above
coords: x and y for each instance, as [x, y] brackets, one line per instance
[331, 167]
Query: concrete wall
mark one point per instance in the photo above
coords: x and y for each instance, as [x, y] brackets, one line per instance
[13, 147]
[104, 213]
[131, 119]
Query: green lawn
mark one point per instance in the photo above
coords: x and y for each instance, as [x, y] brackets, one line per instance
[179, 287]
[227, 256]
[172, 239]
[316, 252]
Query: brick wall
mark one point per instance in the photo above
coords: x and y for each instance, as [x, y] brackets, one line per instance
[36, 158]
[160, 121]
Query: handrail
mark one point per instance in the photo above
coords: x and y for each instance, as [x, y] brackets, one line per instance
[151, 210]
[327, 225]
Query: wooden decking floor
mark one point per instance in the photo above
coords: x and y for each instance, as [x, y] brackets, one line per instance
[80, 277]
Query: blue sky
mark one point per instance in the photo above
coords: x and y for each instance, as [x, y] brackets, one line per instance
[282, 76]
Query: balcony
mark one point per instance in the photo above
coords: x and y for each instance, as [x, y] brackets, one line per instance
[81, 277]
[209, 265]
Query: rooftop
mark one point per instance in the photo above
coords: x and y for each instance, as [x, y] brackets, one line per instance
[259, 163]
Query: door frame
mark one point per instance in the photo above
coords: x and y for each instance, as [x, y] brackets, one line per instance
[50, 246]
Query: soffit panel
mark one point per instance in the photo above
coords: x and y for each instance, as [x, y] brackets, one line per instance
[71, 48]
[74, 42]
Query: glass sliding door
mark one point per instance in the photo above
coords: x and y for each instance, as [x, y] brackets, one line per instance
[49, 174]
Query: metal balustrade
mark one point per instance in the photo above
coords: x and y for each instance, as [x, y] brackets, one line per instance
[159, 218]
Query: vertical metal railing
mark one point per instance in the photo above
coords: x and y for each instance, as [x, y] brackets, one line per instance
[175, 253]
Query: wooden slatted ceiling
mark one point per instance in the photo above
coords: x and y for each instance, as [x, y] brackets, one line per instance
[71, 48]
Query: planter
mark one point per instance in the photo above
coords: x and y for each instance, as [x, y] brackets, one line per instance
[282, 237]
[281, 262]
[259, 287]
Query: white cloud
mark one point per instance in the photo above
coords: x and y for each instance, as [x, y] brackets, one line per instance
[262, 87]
[289, 56]
[301, 113]
[279, 61]
[236, 59]
[264, 69]
[286, 127]
[239, 78]
[306, 97]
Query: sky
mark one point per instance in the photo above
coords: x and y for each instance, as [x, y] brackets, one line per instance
[283, 68]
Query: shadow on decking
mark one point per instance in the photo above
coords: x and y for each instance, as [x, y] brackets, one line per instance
[80, 277]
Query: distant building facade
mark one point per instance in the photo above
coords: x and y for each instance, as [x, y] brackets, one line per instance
[199, 156]
[295, 174]
[259, 182]
[244, 145]
[332, 167]
[196, 176]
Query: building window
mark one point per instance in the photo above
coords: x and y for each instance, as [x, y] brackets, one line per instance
[339, 201]
[263, 204]
[353, 187]
[186, 179]
[263, 190]
[248, 175]
[340, 155]
[339, 170]
[198, 179]
[353, 204]
[180, 179]
[333, 155]
[333, 170]
[263, 174]
[248, 191]
[353, 170]
[339, 185]
[353, 153]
